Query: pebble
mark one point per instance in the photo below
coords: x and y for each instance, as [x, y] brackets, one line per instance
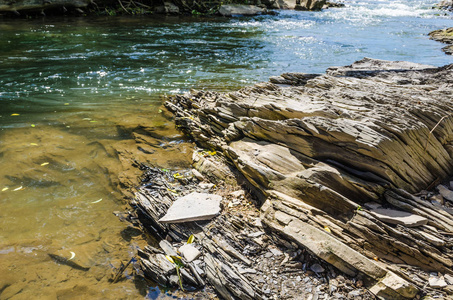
[317, 268]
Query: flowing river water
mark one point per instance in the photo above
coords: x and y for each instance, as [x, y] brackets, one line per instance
[75, 92]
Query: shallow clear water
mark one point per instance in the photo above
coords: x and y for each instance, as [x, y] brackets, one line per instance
[73, 92]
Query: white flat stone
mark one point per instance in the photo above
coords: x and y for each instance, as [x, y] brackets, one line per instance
[392, 216]
[193, 207]
[190, 252]
[437, 282]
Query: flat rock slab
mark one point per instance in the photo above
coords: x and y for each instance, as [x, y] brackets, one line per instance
[392, 216]
[193, 207]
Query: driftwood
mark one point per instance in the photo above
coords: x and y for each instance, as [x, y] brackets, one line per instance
[325, 153]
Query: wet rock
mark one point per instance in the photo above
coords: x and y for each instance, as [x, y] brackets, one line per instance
[193, 207]
[229, 10]
[398, 217]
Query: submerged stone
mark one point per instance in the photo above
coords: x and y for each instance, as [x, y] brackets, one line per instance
[193, 207]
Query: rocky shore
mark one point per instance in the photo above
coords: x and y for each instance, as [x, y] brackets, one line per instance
[330, 185]
[172, 7]
[444, 36]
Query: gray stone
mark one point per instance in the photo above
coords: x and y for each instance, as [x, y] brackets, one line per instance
[193, 207]
[392, 216]
[317, 268]
[190, 252]
[445, 192]
[229, 10]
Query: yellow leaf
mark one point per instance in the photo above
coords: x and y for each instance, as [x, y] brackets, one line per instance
[327, 229]
[376, 258]
[177, 175]
[190, 239]
[97, 201]
[33, 144]
[5, 189]
[17, 189]
[169, 259]
[33, 125]
[44, 164]
[13, 115]
[66, 104]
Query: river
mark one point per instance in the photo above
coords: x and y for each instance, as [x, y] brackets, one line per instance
[75, 92]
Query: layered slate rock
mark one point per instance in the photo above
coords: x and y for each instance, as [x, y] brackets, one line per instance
[316, 148]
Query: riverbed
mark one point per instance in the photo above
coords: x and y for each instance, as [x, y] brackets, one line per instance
[75, 92]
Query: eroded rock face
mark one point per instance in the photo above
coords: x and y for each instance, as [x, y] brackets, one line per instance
[318, 147]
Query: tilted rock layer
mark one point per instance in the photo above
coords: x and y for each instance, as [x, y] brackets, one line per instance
[317, 148]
